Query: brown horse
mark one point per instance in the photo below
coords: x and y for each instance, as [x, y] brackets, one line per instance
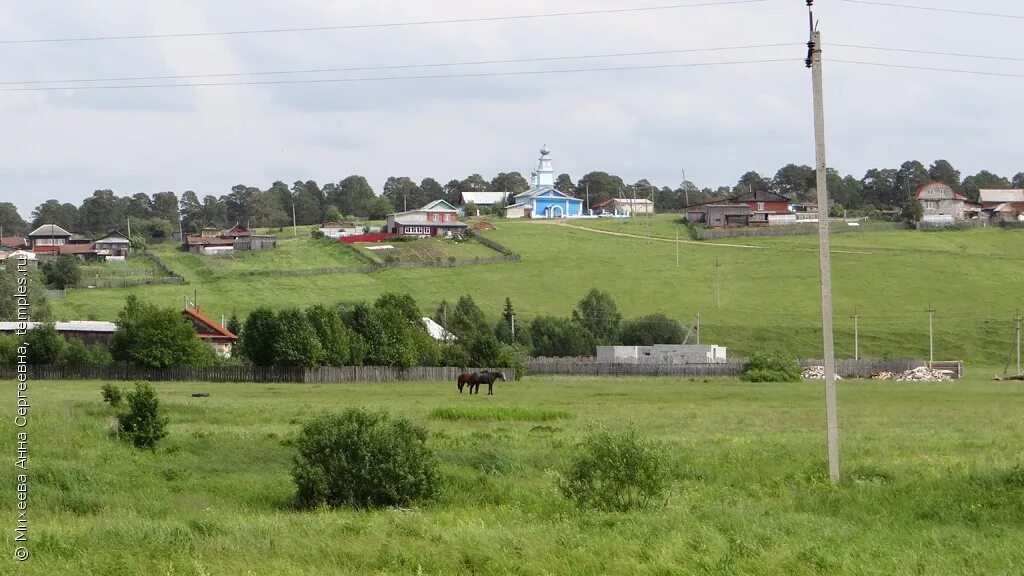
[464, 379]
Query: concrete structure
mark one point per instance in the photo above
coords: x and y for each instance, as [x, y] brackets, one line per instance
[88, 331]
[217, 336]
[941, 203]
[438, 218]
[543, 200]
[662, 354]
[623, 206]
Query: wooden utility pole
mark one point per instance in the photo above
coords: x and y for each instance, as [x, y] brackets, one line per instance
[831, 412]
[931, 334]
[856, 336]
[1018, 319]
[295, 229]
[698, 328]
[718, 284]
[677, 245]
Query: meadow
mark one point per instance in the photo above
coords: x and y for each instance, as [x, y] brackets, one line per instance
[426, 250]
[933, 482]
[753, 294]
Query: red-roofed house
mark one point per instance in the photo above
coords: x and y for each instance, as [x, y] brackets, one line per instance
[14, 243]
[217, 336]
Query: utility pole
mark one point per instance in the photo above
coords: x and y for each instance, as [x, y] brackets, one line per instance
[698, 328]
[513, 322]
[588, 196]
[831, 412]
[856, 335]
[444, 318]
[677, 245]
[931, 334]
[718, 284]
[686, 190]
[295, 229]
[1018, 320]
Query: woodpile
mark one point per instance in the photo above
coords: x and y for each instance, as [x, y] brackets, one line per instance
[816, 373]
[483, 225]
[920, 374]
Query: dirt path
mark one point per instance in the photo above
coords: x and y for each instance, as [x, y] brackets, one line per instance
[697, 242]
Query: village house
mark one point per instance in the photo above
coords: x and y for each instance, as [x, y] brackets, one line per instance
[1002, 205]
[438, 218]
[113, 244]
[213, 241]
[623, 207]
[719, 215]
[766, 208]
[90, 332]
[47, 239]
[543, 200]
[662, 354]
[941, 204]
[217, 336]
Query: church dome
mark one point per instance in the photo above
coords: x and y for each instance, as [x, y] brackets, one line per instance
[544, 150]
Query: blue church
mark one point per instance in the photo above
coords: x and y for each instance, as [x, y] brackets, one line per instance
[543, 200]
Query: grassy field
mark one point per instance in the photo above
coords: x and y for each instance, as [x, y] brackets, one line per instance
[666, 226]
[133, 268]
[300, 252]
[934, 482]
[768, 288]
[428, 250]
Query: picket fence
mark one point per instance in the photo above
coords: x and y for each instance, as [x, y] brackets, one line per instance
[322, 375]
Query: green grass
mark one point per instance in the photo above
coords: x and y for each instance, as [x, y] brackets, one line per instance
[932, 483]
[769, 287]
[134, 267]
[497, 413]
[429, 250]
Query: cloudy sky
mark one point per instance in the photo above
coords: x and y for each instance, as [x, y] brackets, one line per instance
[716, 122]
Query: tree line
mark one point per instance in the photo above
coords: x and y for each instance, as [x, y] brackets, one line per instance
[160, 215]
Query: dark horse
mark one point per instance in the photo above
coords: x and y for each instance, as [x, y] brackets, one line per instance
[475, 379]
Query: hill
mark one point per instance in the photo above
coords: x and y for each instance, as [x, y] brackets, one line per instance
[769, 287]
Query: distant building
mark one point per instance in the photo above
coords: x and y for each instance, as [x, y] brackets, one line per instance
[47, 239]
[88, 331]
[1005, 205]
[438, 218]
[543, 200]
[623, 206]
[217, 336]
[436, 331]
[942, 205]
[662, 354]
[113, 244]
[485, 198]
[719, 215]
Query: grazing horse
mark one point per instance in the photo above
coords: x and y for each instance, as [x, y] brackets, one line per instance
[464, 379]
[485, 377]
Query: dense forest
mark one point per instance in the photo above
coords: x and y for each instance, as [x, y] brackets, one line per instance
[160, 215]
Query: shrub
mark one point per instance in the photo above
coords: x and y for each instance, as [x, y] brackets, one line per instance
[142, 421]
[111, 395]
[513, 356]
[553, 336]
[62, 272]
[771, 368]
[652, 329]
[45, 345]
[615, 471]
[363, 459]
[316, 234]
[157, 337]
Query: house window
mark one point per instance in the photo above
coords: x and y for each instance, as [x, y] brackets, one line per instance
[760, 206]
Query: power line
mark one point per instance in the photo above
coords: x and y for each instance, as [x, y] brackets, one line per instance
[383, 25]
[406, 66]
[931, 9]
[388, 78]
[930, 68]
[929, 52]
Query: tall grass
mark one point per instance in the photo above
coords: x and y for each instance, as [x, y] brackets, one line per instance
[497, 413]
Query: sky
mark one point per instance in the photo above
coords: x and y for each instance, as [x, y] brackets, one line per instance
[714, 122]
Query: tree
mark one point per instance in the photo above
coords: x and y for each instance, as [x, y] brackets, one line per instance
[165, 206]
[353, 196]
[10, 221]
[598, 313]
[470, 209]
[883, 188]
[258, 336]
[38, 307]
[138, 206]
[564, 184]
[101, 212]
[484, 349]
[943, 171]
[45, 345]
[511, 182]
[912, 211]
[386, 334]
[142, 421]
[333, 214]
[62, 272]
[795, 182]
[558, 337]
[432, 189]
[379, 208]
[296, 342]
[53, 212]
[404, 304]
[156, 337]
[652, 329]
[983, 180]
[467, 318]
[309, 202]
[213, 212]
[192, 217]
[237, 203]
[600, 186]
[1018, 180]
[234, 325]
[404, 193]
[474, 183]
[751, 182]
[266, 210]
[911, 176]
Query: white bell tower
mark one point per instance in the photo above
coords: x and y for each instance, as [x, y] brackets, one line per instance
[545, 174]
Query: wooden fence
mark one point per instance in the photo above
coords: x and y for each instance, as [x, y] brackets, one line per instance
[698, 233]
[321, 375]
[850, 368]
[488, 242]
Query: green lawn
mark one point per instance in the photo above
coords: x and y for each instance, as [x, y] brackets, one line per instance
[132, 268]
[293, 252]
[933, 484]
[768, 296]
[428, 250]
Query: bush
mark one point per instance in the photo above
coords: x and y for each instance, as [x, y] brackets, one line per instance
[62, 273]
[111, 395]
[142, 420]
[513, 356]
[45, 345]
[652, 329]
[560, 337]
[615, 471]
[771, 368]
[363, 459]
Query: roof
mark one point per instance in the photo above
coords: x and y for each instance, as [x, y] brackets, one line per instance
[13, 242]
[77, 248]
[70, 326]
[236, 231]
[114, 237]
[538, 191]
[633, 201]
[217, 331]
[208, 241]
[47, 230]
[439, 205]
[762, 196]
[936, 183]
[437, 331]
[484, 198]
[989, 195]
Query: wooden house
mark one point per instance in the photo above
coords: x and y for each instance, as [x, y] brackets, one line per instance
[438, 218]
[217, 336]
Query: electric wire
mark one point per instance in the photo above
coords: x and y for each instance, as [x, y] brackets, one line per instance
[933, 9]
